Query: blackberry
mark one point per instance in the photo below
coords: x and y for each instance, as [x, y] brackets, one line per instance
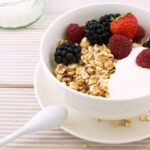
[67, 53]
[98, 32]
[106, 21]
[95, 32]
[147, 44]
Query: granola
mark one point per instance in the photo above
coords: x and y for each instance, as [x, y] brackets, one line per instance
[91, 75]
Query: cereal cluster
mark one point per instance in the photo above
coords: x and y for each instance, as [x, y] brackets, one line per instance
[128, 122]
[145, 117]
[92, 72]
[122, 123]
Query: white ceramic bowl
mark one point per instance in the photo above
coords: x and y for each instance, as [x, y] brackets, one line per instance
[93, 106]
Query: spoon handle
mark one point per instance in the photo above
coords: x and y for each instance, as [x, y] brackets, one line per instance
[47, 118]
[12, 136]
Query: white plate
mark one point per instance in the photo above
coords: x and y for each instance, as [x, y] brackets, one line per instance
[85, 127]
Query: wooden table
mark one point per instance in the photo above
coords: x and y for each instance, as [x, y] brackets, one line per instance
[19, 55]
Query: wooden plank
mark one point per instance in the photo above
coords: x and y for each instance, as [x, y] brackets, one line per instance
[17, 106]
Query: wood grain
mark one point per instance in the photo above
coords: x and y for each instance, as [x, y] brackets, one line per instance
[17, 106]
[19, 55]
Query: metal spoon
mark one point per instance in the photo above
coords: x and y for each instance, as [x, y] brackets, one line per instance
[47, 118]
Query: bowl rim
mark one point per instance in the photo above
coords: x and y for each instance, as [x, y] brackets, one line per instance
[102, 99]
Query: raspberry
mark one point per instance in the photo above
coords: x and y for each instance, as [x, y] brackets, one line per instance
[75, 33]
[120, 46]
[139, 34]
[67, 53]
[143, 58]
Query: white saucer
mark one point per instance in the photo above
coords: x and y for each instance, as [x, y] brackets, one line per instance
[85, 127]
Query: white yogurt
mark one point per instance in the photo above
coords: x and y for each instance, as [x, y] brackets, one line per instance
[129, 80]
[19, 13]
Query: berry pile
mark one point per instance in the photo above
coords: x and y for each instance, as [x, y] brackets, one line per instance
[98, 32]
[114, 30]
[67, 53]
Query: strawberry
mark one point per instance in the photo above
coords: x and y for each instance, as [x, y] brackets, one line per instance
[125, 25]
